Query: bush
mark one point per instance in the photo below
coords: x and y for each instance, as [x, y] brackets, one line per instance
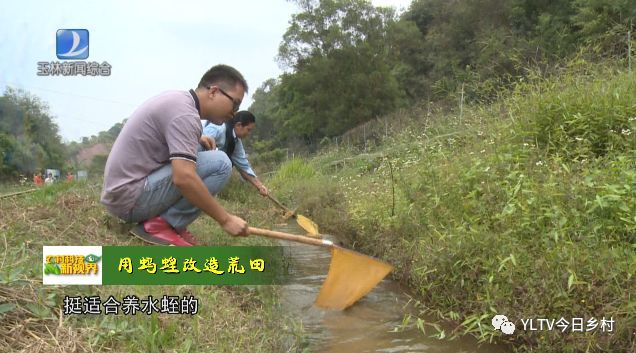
[579, 116]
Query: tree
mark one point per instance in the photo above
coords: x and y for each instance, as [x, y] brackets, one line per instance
[34, 141]
[605, 23]
[342, 70]
[265, 108]
[410, 63]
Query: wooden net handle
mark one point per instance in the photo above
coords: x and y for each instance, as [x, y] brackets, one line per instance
[290, 237]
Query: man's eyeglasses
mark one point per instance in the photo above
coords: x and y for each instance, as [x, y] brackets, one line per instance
[235, 103]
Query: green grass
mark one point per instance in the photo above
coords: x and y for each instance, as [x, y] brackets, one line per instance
[525, 207]
[230, 318]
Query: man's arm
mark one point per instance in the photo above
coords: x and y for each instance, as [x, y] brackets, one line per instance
[186, 179]
[262, 189]
[239, 159]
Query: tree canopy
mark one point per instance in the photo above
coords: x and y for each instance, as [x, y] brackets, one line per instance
[29, 138]
[348, 62]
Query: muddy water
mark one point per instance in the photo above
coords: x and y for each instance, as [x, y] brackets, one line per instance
[373, 324]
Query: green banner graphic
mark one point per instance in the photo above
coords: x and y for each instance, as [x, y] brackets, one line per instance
[207, 265]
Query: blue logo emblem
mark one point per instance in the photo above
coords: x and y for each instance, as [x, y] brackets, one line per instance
[72, 44]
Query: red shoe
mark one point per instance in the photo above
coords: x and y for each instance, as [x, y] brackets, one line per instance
[187, 236]
[159, 232]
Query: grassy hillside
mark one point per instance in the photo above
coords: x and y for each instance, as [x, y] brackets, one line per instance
[526, 207]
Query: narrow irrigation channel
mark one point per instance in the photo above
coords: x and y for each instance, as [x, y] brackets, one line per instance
[374, 324]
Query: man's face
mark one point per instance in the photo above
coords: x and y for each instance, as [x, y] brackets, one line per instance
[242, 131]
[221, 104]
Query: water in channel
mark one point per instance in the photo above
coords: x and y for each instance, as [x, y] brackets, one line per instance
[374, 324]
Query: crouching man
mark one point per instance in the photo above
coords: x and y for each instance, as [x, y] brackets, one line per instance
[155, 176]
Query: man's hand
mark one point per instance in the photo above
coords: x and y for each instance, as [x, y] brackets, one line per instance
[262, 189]
[207, 142]
[235, 226]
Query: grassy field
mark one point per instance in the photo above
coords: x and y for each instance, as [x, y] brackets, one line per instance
[526, 207]
[230, 318]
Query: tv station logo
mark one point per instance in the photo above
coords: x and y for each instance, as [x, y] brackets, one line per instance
[71, 265]
[73, 45]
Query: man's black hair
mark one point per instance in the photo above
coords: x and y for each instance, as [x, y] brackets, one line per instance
[223, 75]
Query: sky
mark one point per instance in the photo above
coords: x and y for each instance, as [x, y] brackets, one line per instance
[152, 46]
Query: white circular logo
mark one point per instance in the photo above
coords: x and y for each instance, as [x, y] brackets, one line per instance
[500, 322]
[508, 328]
